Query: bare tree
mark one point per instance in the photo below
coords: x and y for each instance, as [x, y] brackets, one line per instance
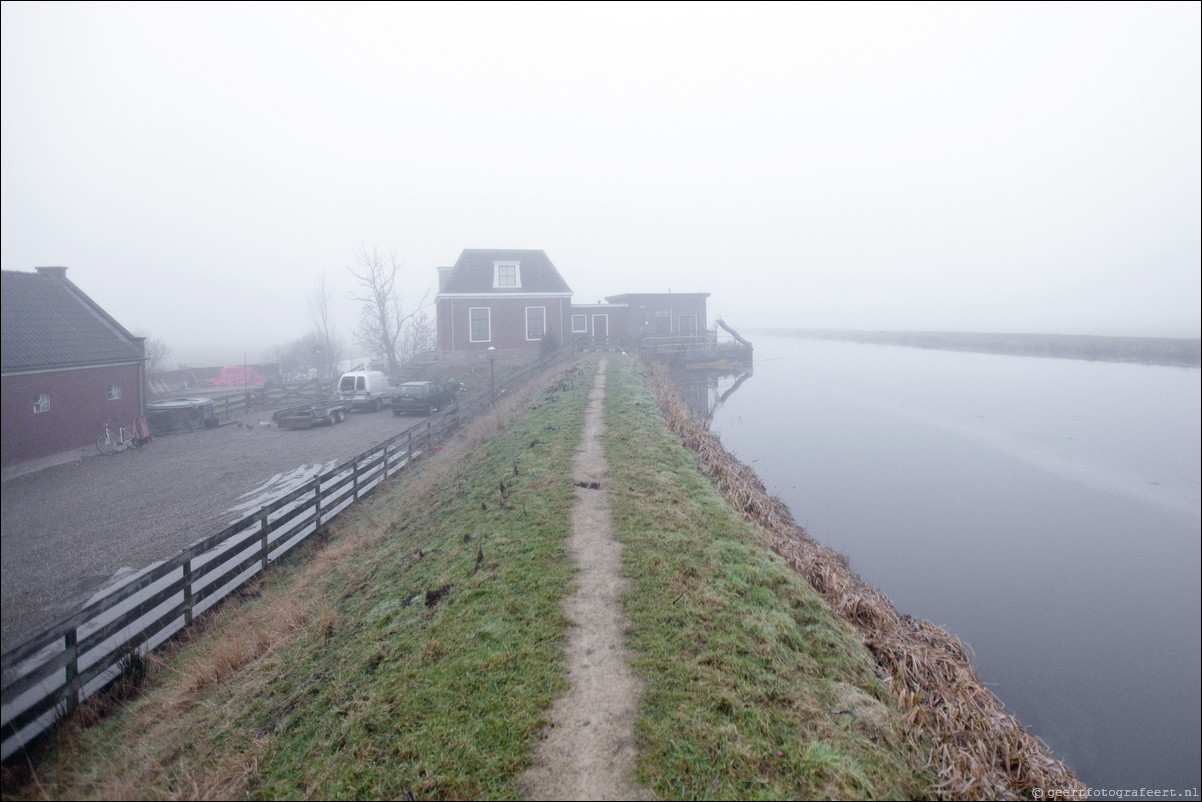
[321, 315]
[157, 352]
[382, 323]
[302, 355]
[418, 336]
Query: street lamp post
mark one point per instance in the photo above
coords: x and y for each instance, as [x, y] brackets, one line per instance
[492, 375]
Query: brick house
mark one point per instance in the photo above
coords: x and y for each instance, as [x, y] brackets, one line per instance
[503, 299]
[669, 315]
[599, 326]
[67, 368]
[510, 300]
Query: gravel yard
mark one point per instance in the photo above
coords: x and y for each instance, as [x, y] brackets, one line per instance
[75, 528]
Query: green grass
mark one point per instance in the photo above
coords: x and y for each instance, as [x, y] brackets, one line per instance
[415, 652]
[357, 687]
[440, 695]
[754, 688]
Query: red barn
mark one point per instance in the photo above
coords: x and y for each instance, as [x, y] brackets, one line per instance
[68, 368]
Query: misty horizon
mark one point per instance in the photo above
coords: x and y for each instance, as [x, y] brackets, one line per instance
[958, 167]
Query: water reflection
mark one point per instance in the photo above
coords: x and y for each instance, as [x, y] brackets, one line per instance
[1044, 511]
[705, 391]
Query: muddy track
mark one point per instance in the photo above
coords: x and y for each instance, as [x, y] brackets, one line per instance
[587, 751]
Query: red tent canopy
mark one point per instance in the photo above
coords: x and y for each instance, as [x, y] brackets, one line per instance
[234, 376]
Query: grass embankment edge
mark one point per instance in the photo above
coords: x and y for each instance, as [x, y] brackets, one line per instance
[977, 749]
[410, 655]
[755, 688]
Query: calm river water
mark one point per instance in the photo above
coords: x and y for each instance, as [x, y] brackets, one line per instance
[1045, 511]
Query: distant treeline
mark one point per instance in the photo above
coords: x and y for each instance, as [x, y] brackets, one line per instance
[1142, 350]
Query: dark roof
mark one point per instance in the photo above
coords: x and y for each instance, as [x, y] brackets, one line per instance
[635, 297]
[473, 273]
[47, 322]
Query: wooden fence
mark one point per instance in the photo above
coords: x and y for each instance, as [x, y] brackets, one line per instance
[239, 403]
[50, 674]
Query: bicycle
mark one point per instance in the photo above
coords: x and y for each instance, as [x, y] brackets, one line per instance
[125, 437]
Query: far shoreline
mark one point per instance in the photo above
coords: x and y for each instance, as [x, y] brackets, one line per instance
[1167, 351]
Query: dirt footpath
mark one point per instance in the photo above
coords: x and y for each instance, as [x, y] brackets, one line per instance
[588, 749]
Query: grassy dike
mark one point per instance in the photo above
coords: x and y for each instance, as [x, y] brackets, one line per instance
[413, 652]
[755, 688]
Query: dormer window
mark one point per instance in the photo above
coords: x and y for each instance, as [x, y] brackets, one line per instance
[507, 275]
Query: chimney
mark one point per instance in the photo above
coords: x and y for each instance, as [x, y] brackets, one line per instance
[52, 272]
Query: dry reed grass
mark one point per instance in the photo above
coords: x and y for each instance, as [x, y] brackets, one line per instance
[977, 750]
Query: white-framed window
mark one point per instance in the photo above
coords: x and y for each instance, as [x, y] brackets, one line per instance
[42, 403]
[580, 324]
[481, 324]
[536, 322]
[687, 324]
[114, 392]
[507, 275]
[663, 321]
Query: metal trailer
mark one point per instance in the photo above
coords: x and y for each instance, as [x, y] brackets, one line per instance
[304, 416]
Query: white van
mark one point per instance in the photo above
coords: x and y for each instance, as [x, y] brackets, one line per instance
[364, 389]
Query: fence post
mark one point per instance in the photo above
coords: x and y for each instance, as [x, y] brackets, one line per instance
[355, 479]
[187, 592]
[71, 700]
[263, 544]
[317, 501]
[386, 460]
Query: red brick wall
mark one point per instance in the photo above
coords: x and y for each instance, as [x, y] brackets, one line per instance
[508, 322]
[79, 409]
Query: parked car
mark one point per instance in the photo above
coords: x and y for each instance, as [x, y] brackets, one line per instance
[364, 389]
[424, 397]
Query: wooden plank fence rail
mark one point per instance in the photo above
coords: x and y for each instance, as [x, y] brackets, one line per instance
[238, 404]
[48, 675]
[230, 404]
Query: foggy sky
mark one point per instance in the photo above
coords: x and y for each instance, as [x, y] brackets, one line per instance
[1027, 167]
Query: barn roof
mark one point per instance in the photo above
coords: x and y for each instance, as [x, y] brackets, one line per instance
[47, 322]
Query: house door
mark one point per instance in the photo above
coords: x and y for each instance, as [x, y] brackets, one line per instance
[600, 330]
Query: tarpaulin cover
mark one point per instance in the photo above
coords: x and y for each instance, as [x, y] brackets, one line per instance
[235, 376]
